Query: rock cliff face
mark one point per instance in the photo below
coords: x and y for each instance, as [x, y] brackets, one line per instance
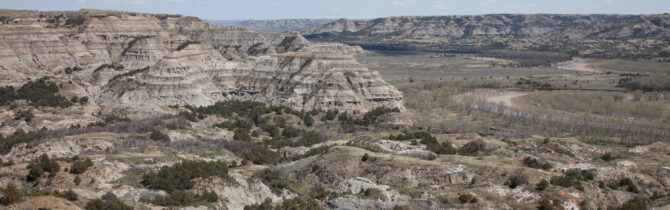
[470, 33]
[273, 26]
[137, 63]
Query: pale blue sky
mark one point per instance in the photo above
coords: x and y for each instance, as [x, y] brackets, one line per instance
[282, 9]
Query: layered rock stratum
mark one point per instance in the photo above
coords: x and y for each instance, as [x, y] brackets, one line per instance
[643, 36]
[273, 26]
[137, 63]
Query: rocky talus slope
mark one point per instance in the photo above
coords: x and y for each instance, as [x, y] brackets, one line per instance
[585, 35]
[141, 62]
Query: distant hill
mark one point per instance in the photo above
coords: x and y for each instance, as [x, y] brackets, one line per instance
[273, 26]
[609, 36]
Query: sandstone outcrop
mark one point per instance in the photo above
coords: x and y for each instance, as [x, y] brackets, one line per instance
[135, 64]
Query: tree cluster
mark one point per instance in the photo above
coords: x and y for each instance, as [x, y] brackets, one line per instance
[40, 166]
[180, 176]
[80, 166]
[38, 93]
[182, 198]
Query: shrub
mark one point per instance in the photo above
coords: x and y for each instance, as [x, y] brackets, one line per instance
[372, 193]
[636, 203]
[580, 174]
[290, 132]
[109, 196]
[239, 123]
[472, 148]
[7, 95]
[99, 204]
[241, 134]
[296, 203]
[300, 203]
[627, 182]
[42, 93]
[77, 180]
[75, 20]
[564, 181]
[11, 195]
[371, 117]
[330, 115]
[8, 163]
[79, 167]
[429, 140]
[182, 198]
[308, 138]
[26, 115]
[179, 176]
[607, 157]
[20, 136]
[545, 204]
[513, 182]
[83, 100]
[542, 185]
[534, 163]
[467, 198]
[312, 152]
[444, 148]
[159, 136]
[41, 165]
[365, 157]
[258, 154]
[307, 119]
[277, 180]
[69, 195]
[319, 192]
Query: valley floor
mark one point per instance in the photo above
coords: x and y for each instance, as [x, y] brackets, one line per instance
[473, 135]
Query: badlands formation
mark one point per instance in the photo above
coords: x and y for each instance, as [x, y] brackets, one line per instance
[114, 110]
[131, 63]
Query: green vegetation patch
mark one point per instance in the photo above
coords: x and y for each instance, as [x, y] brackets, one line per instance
[296, 203]
[182, 198]
[256, 153]
[180, 176]
[99, 204]
[18, 137]
[80, 166]
[38, 93]
[11, 195]
[40, 166]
